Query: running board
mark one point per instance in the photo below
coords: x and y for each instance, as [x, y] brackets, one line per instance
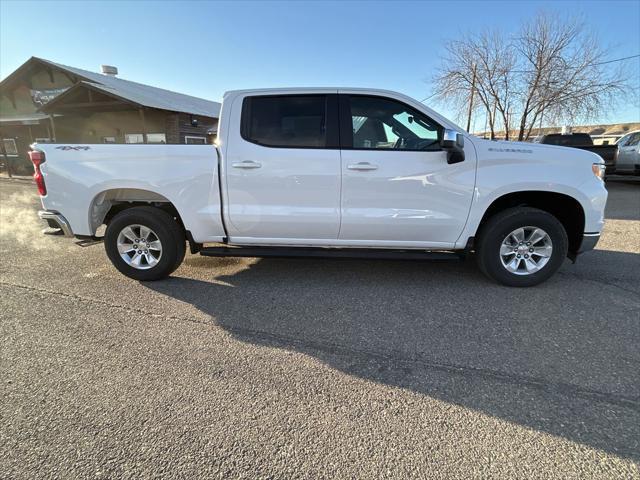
[304, 252]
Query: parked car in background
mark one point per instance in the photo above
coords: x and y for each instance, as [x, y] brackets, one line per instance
[332, 173]
[629, 154]
[583, 141]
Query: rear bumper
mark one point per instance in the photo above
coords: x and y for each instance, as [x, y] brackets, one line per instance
[589, 242]
[56, 221]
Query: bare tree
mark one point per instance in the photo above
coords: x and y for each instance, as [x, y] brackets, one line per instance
[472, 68]
[553, 69]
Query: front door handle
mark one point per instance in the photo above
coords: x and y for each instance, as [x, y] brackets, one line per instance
[362, 166]
[246, 164]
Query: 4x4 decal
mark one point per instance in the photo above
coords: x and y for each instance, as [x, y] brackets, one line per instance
[69, 147]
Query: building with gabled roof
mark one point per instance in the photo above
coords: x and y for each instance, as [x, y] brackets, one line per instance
[43, 101]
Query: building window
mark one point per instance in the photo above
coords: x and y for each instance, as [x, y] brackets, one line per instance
[139, 138]
[133, 138]
[156, 138]
[10, 147]
[108, 139]
[191, 140]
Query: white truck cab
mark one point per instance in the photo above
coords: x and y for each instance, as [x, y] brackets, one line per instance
[329, 172]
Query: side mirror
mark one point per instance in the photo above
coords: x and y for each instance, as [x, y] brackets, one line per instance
[453, 143]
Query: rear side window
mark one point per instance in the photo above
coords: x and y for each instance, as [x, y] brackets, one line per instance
[288, 121]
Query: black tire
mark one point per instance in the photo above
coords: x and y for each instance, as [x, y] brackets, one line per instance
[168, 231]
[495, 230]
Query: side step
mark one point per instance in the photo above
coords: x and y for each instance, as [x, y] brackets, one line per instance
[53, 231]
[314, 252]
[87, 241]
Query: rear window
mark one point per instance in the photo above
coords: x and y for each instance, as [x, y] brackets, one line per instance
[291, 121]
[576, 139]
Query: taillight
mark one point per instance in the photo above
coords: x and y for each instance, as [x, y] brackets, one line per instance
[37, 158]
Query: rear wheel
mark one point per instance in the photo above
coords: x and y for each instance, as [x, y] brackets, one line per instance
[145, 243]
[521, 247]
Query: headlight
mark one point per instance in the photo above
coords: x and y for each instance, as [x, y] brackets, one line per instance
[598, 170]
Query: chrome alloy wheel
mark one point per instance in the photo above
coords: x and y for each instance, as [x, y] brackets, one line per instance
[526, 250]
[139, 247]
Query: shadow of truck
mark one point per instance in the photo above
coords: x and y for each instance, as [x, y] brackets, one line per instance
[444, 331]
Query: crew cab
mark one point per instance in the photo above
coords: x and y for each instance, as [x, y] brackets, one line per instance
[328, 172]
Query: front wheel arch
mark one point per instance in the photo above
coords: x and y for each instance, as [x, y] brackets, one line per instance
[565, 208]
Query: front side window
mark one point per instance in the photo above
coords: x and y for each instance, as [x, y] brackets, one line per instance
[623, 141]
[633, 140]
[293, 121]
[381, 123]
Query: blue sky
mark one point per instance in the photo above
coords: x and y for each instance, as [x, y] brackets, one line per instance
[204, 48]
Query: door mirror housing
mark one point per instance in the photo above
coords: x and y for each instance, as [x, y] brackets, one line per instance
[453, 143]
[452, 139]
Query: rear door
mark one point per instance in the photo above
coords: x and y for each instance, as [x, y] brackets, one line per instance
[282, 169]
[397, 187]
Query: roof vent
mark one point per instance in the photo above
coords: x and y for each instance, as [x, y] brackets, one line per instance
[109, 70]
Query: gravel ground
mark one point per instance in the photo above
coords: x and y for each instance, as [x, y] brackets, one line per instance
[246, 368]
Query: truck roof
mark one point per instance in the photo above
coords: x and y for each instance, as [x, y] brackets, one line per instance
[311, 90]
[354, 90]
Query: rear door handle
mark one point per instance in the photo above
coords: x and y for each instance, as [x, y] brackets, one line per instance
[246, 164]
[362, 166]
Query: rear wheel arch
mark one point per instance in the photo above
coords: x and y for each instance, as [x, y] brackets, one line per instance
[565, 208]
[108, 203]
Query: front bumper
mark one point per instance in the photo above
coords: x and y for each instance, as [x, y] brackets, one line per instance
[57, 222]
[589, 242]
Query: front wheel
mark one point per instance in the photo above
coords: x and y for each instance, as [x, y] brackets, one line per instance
[145, 243]
[521, 247]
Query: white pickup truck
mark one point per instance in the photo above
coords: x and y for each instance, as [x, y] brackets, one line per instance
[328, 172]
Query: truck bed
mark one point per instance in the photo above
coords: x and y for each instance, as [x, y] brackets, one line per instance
[186, 176]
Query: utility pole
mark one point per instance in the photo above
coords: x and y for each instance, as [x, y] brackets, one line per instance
[486, 120]
[493, 119]
[540, 125]
[473, 91]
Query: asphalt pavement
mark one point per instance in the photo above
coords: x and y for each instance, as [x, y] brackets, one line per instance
[314, 368]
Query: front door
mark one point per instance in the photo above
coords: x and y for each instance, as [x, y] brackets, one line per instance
[283, 170]
[628, 152]
[397, 187]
